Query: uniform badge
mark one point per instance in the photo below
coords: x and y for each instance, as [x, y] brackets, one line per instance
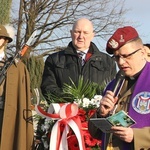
[141, 103]
[113, 43]
[122, 40]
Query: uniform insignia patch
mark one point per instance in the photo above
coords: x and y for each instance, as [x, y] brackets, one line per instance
[113, 43]
[141, 103]
[121, 39]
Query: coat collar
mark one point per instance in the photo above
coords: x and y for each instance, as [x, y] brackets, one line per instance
[70, 50]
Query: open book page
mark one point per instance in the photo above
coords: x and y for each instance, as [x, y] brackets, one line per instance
[119, 119]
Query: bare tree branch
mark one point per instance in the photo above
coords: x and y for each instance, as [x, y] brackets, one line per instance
[53, 20]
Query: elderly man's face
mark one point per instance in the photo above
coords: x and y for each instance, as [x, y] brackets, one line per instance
[82, 35]
[130, 58]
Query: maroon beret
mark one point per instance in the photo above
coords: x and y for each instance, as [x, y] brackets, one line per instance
[120, 38]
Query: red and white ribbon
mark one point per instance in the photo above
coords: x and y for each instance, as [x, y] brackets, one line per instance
[66, 113]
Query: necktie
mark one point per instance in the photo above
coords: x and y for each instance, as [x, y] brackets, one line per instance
[81, 54]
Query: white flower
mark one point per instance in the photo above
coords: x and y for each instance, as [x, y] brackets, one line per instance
[46, 124]
[43, 127]
[96, 100]
[78, 101]
[86, 102]
[98, 97]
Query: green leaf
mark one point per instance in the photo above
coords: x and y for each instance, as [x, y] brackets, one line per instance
[73, 92]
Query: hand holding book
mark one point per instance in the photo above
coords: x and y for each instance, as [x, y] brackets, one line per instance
[119, 119]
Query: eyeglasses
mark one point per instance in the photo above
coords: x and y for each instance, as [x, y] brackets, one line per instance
[124, 57]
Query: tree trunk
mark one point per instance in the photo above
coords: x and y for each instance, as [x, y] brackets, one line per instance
[5, 6]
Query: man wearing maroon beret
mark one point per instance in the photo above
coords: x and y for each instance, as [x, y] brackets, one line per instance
[134, 97]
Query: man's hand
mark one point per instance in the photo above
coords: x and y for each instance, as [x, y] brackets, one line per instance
[107, 103]
[125, 134]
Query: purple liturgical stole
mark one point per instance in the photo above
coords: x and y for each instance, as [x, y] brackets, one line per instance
[139, 108]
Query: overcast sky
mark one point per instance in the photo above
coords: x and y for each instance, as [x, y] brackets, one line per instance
[140, 14]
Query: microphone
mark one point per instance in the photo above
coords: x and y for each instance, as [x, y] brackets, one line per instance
[119, 80]
[118, 83]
